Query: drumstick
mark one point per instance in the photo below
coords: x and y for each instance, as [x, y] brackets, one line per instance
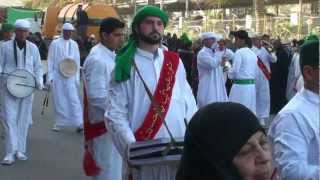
[25, 85]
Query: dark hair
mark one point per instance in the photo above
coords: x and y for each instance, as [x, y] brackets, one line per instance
[108, 25]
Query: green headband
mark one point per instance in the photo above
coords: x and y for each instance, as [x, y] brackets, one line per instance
[7, 27]
[125, 56]
[185, 39]
[309, 51]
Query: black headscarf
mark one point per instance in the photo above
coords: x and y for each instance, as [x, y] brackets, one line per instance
[213, 138]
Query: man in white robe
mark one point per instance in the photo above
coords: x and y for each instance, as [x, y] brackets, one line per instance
[226, 54]
[17, 112]
[211, 86]
[129, 102]
[243, 72]
[295, 132]
[97, 69]
[65, 90]
[262, 79]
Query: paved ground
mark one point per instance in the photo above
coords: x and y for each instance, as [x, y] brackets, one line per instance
[52, 155]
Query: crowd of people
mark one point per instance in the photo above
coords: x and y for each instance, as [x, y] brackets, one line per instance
[217, 93]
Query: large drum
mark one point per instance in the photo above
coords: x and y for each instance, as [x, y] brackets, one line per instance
[156, 151]
[68, 67]
[21, 83]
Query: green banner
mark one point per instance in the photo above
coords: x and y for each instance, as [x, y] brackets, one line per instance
[13, 14]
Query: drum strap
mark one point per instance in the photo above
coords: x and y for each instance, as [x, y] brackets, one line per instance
[15, 52]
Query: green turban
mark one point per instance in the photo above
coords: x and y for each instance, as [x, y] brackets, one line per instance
[185, 39]
[309, 52]
[125, 55]
[6, 27]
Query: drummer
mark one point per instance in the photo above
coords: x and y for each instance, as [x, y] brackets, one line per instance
[18, 53]
[130, 115]
[64, 84]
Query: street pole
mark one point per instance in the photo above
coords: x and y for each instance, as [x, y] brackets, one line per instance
[300, 19]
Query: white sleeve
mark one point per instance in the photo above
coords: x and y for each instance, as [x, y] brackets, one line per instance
[1, 59]
[51, 61]
[94, 72]
[229, 54]
[207, 61]
[117, 119]
[77, 58]
[270, 56]
[234, 70]
[290, 141]
[37, 68]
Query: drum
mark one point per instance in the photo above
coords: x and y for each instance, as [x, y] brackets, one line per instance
[68, 67]
[20, 83]
[155, 151]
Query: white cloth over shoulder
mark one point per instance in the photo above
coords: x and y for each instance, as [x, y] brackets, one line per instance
[295, 138]
[129, 103]
[65, 91]
[211, 86]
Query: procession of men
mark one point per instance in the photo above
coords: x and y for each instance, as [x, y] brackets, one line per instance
[137, 91]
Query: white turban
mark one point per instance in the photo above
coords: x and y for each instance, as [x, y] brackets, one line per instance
[255, 35]
[208, 35]
[219, 37]
[68, 27]
[22, 24]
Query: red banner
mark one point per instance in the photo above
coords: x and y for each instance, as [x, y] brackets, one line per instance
[153, 120]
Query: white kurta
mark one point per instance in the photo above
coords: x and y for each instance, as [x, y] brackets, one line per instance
[262, 84]
[97, 68]
[244, 67]
[295, 138]
[65, 91]
[293, 76]
[1, 88]
[129, 103]
[17, 112]
[211, 86]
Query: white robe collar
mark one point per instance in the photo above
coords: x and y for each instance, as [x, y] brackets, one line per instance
[112, 54]
[149, 55]
[311, 96]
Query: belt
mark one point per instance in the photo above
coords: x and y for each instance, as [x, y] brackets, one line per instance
[244, 81]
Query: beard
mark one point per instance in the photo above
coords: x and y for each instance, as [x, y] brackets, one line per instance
[153, 38]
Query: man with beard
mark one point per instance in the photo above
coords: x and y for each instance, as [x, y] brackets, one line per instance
[144, 72]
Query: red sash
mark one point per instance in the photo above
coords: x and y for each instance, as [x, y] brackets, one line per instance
[91, 131]
[264, 69]
[153, 120]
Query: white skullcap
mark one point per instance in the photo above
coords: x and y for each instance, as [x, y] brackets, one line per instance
[68, 27]
[219, 37]
[208, 35]
[22, 24]
[254, 35]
